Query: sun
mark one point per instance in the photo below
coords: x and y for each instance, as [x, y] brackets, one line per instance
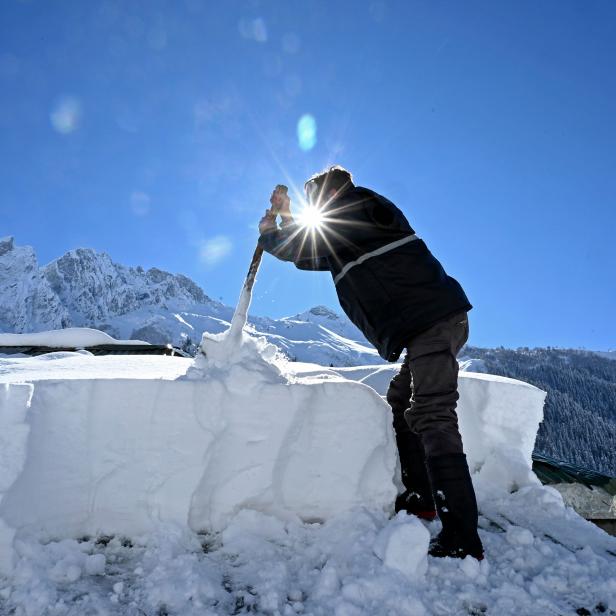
[311, 217]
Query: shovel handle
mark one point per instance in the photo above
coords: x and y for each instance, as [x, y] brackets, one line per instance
[254, 266]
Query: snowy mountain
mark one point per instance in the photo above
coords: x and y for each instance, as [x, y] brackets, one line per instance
[86, 288]
[94, 288]
[27, 301]
[323, 317]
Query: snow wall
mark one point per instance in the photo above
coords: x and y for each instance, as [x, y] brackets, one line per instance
[109, 456]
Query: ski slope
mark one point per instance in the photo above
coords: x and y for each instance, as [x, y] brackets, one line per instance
[248, 484]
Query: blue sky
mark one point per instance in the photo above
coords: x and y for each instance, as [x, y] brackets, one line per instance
[155, 131]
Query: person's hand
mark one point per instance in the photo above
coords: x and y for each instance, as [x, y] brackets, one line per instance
[281, 204]
[268, 222]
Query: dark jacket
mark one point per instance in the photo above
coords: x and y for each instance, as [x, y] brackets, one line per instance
[389, 284]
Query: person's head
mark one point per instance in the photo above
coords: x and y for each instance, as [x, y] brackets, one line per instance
[328, 184]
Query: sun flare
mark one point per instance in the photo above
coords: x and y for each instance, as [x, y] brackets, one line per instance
[311, 217]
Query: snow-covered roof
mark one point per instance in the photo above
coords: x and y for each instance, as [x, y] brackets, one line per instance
[72, 337]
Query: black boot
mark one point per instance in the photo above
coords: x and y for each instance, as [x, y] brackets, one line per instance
[415, 504]
[417, 497]
[457, 508]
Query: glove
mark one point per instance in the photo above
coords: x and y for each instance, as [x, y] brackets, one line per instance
[268, 222]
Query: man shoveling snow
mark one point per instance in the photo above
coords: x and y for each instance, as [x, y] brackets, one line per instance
[396, 292]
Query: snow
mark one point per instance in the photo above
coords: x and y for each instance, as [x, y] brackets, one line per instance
[137, 485]
[468, 364]
[240, 316]
[403, 545]
[120, 456]
[498, 418]
[27, 300]
[84, 365]
[264, 565]
[71, 337]
[519, 536]
[87, 459]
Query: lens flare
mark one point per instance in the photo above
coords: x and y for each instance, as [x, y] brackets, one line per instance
[65, 117]
[311, 217]
[307, 132]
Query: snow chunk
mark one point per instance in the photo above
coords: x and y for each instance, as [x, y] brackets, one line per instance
[404, 546]
[234, 357]
[519, 536]
[71, 563]
[471, 567]
[239, 360]
[248, 528]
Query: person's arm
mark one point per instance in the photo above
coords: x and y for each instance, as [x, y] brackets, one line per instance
[292, 242]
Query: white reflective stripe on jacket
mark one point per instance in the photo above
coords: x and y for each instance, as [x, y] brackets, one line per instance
[373, 253]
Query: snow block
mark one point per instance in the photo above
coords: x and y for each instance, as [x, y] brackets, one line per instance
[499, 418]
[120, 456]
[14, 404]
[241, 431]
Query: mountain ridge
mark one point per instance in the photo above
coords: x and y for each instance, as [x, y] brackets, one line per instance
[86, 288]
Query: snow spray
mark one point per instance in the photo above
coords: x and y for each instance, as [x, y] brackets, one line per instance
[232, 349]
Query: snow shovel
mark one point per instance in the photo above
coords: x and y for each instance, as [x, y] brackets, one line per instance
[241, 311]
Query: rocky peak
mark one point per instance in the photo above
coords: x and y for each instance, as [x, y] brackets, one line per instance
[96, 288]
[7, 244]
[324, 311]
[26, 300]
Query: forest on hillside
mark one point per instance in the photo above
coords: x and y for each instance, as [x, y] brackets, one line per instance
[580, 413]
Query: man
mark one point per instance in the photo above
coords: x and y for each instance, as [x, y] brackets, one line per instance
[399, 296]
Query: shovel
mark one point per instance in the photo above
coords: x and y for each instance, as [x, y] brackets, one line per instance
[241, 311]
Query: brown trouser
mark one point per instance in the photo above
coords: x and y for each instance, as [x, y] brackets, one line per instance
[423, 396]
